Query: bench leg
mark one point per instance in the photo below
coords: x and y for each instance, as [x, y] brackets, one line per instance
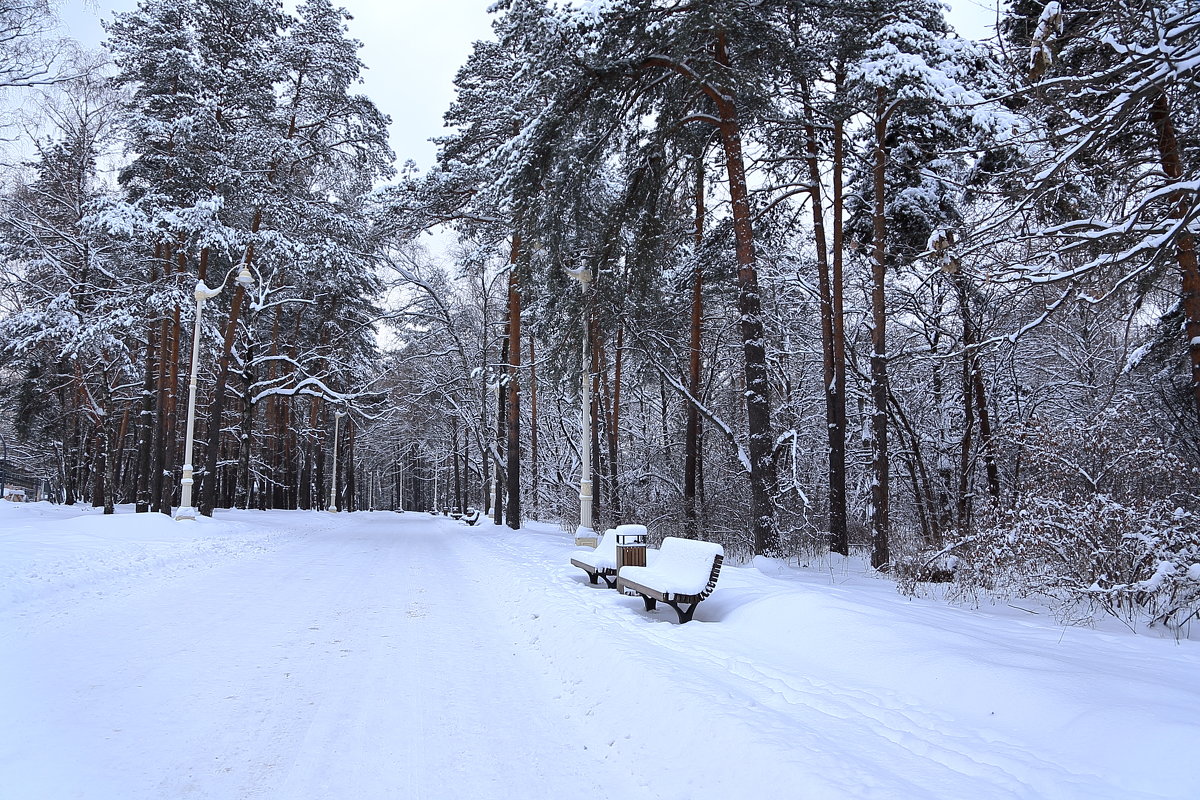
[684, 615]
[593, 577]
[650, 602]
[610, 582]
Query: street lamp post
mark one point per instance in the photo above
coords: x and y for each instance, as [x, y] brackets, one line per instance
[337, 421]
[4, 467]
[585, 536]
[489, 488]
[203, 293]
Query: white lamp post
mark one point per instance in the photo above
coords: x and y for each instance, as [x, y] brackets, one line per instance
[337, 420]
[203, 292]
[585, 536]
[493, 476]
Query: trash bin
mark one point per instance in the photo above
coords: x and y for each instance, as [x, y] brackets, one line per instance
[631, 546]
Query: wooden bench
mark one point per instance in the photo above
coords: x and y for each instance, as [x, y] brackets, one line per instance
[684, 573]
[471, 517]
[601, 562]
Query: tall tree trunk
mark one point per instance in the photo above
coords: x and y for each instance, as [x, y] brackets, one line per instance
[964, 453]
[501, 429]
[121, 469]
[351, 501]
[304, 498]
[513, 469]
[535, 477]
[397, 482]
[243, 493]
[99, 466]
[691, 438]
[318, 425]
[598, 495]
[763, 481]
[1171, 158]
[458, 498]
[838, 530]
[834, 402]
[880, 527]
[290, 456]
[485, 454]
[71, 441]
[612, 425]
[974, 391]
[940, 495]
[923, 493]
[217, 411]
[272, 458]
[170, 418]
[158, 452]
[110, 443]
[146, 425]
[212, 452]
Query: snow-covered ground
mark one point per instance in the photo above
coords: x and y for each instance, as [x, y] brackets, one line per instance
[377, 655]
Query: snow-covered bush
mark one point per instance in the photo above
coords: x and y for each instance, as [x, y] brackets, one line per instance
[1113, 452]
[1106, 519]
[1138, 563]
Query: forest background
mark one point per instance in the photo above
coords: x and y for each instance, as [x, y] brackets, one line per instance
[856, 284]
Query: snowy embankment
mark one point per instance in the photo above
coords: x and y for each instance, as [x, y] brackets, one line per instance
[297, 655]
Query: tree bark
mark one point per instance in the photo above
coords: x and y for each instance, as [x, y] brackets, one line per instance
[213, 450]
[109, 442]
[458, 498]
[609, 403]
[1171, 158]
[512, 472]
[534, 465]
[760, 451]
[146, 425]
[974, 390]
[834, 401]
[319, 427]
[501, 428]
[158, 450]
[170, 417]
[880, 528]
[691, 447]
[243, 494]
[838, 529]
[598, 484]
[351, 501]
[99, 466]
[763, 481]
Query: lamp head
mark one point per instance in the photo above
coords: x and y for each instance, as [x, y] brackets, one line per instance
[244, 278]
[583, 274]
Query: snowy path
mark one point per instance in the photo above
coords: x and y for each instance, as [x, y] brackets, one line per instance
[290, 655]
[360, 662]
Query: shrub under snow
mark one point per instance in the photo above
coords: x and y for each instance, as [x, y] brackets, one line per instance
[1136, 562]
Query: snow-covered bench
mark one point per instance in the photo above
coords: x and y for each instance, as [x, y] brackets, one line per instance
[601, 562]
[684, 573]
[471, 517]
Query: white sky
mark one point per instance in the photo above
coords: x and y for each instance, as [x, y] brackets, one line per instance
[413, 48]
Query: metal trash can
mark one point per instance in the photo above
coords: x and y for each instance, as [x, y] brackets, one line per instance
[631, 545]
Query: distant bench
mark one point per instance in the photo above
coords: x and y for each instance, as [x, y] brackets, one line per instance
[684, 573]
[601, 562]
